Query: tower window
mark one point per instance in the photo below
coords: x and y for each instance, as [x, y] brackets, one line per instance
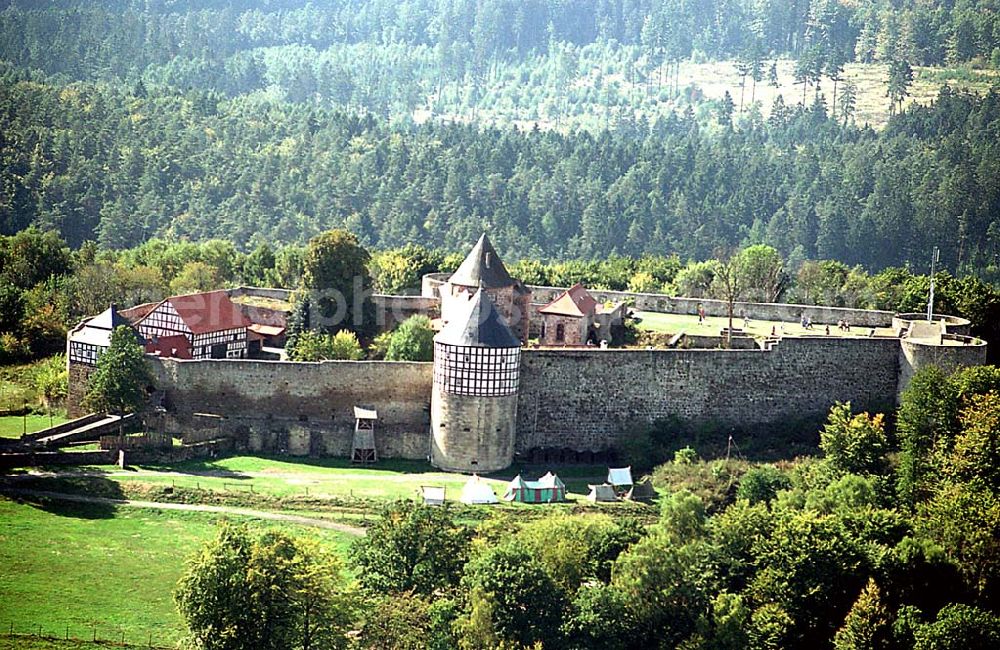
[560, 332]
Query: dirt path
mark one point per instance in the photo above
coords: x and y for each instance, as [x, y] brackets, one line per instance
[191, 507]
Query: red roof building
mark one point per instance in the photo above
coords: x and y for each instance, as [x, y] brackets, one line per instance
[213, 326]
[576, 318]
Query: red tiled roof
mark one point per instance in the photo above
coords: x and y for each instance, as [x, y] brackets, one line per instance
[176, 346]
[137, 313]
[211, 311]
[575, 301]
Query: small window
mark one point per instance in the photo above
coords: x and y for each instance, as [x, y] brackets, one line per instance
[560, 332]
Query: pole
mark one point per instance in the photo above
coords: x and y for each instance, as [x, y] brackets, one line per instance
[935, 256]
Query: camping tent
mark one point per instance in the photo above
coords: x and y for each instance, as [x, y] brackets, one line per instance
[620, 477]
[433, 495]
[642, 491]
[547, 489]
[476, 491]
[602, 492]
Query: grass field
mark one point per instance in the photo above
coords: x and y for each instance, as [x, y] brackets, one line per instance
[330, 478]
[13, 426]
[713, 325]
[77, 566]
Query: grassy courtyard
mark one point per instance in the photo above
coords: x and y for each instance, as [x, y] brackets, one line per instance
[80, 567]
[713, 325]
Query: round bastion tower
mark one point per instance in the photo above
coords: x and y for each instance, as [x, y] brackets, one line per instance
[474, 398]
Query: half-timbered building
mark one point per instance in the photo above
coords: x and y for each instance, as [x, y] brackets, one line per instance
[211, 324]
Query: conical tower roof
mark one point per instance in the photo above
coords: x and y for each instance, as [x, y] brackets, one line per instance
[482, 268]
[480, 325]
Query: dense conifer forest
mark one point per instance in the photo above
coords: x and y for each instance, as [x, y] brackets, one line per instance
[100, 161]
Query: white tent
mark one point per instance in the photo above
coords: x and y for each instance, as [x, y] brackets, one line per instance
[433, 495]
[476, 491]
[620, 477]
[602, 492]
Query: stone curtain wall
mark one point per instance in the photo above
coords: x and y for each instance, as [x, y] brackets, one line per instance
[76, 391]
[659, 302]
[297, 408]
[578, 398]
[915, 354]
[585, 399]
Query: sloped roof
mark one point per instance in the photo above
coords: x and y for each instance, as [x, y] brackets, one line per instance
[620, 475]
[482, 267]
[575, 301]
[97, 330]
[480, 325]
[477, 491]
[211, 311]
[175, 347]
[432, 494]
[108, 320]
[550, 480]
[137, 313]
[365, 413]
[602, 492]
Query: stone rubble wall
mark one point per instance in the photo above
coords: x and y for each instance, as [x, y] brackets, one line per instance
[295, 407]
[587, 399]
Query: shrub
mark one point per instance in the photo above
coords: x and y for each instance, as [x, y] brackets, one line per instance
[761, 484]
[413, 340]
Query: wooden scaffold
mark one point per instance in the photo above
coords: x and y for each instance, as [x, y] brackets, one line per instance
[364, 435]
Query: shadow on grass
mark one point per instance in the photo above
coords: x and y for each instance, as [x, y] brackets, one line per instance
[213, 468]
[199, 467]
[33, 491]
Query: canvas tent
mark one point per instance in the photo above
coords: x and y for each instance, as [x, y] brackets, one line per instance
[433, 495]
[476, 491]
[547, 489]
[602, 492]
[620, 477]
[642, 491]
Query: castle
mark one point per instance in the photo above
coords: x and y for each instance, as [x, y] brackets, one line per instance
[488, 399]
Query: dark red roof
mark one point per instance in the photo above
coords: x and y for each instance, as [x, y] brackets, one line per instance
[212, 311]
[575, 301]
[176, 346]
[137, 313]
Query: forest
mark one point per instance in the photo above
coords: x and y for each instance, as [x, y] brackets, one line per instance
[273, 121]
[96, 161]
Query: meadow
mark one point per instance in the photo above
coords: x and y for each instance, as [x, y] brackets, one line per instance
[83, 570]
[12, 426]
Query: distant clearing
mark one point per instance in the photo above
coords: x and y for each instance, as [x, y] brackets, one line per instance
[599, 97]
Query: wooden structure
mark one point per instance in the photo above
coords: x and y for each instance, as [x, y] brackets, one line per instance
[363, 449]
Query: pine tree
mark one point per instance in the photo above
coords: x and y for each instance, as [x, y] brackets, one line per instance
[867, 626]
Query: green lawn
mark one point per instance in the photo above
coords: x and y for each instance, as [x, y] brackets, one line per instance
[13, 426]
[674, 323]
[79, 565]
[332, 477]
[306, 484]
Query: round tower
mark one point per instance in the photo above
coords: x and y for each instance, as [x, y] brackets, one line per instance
[474, 400]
